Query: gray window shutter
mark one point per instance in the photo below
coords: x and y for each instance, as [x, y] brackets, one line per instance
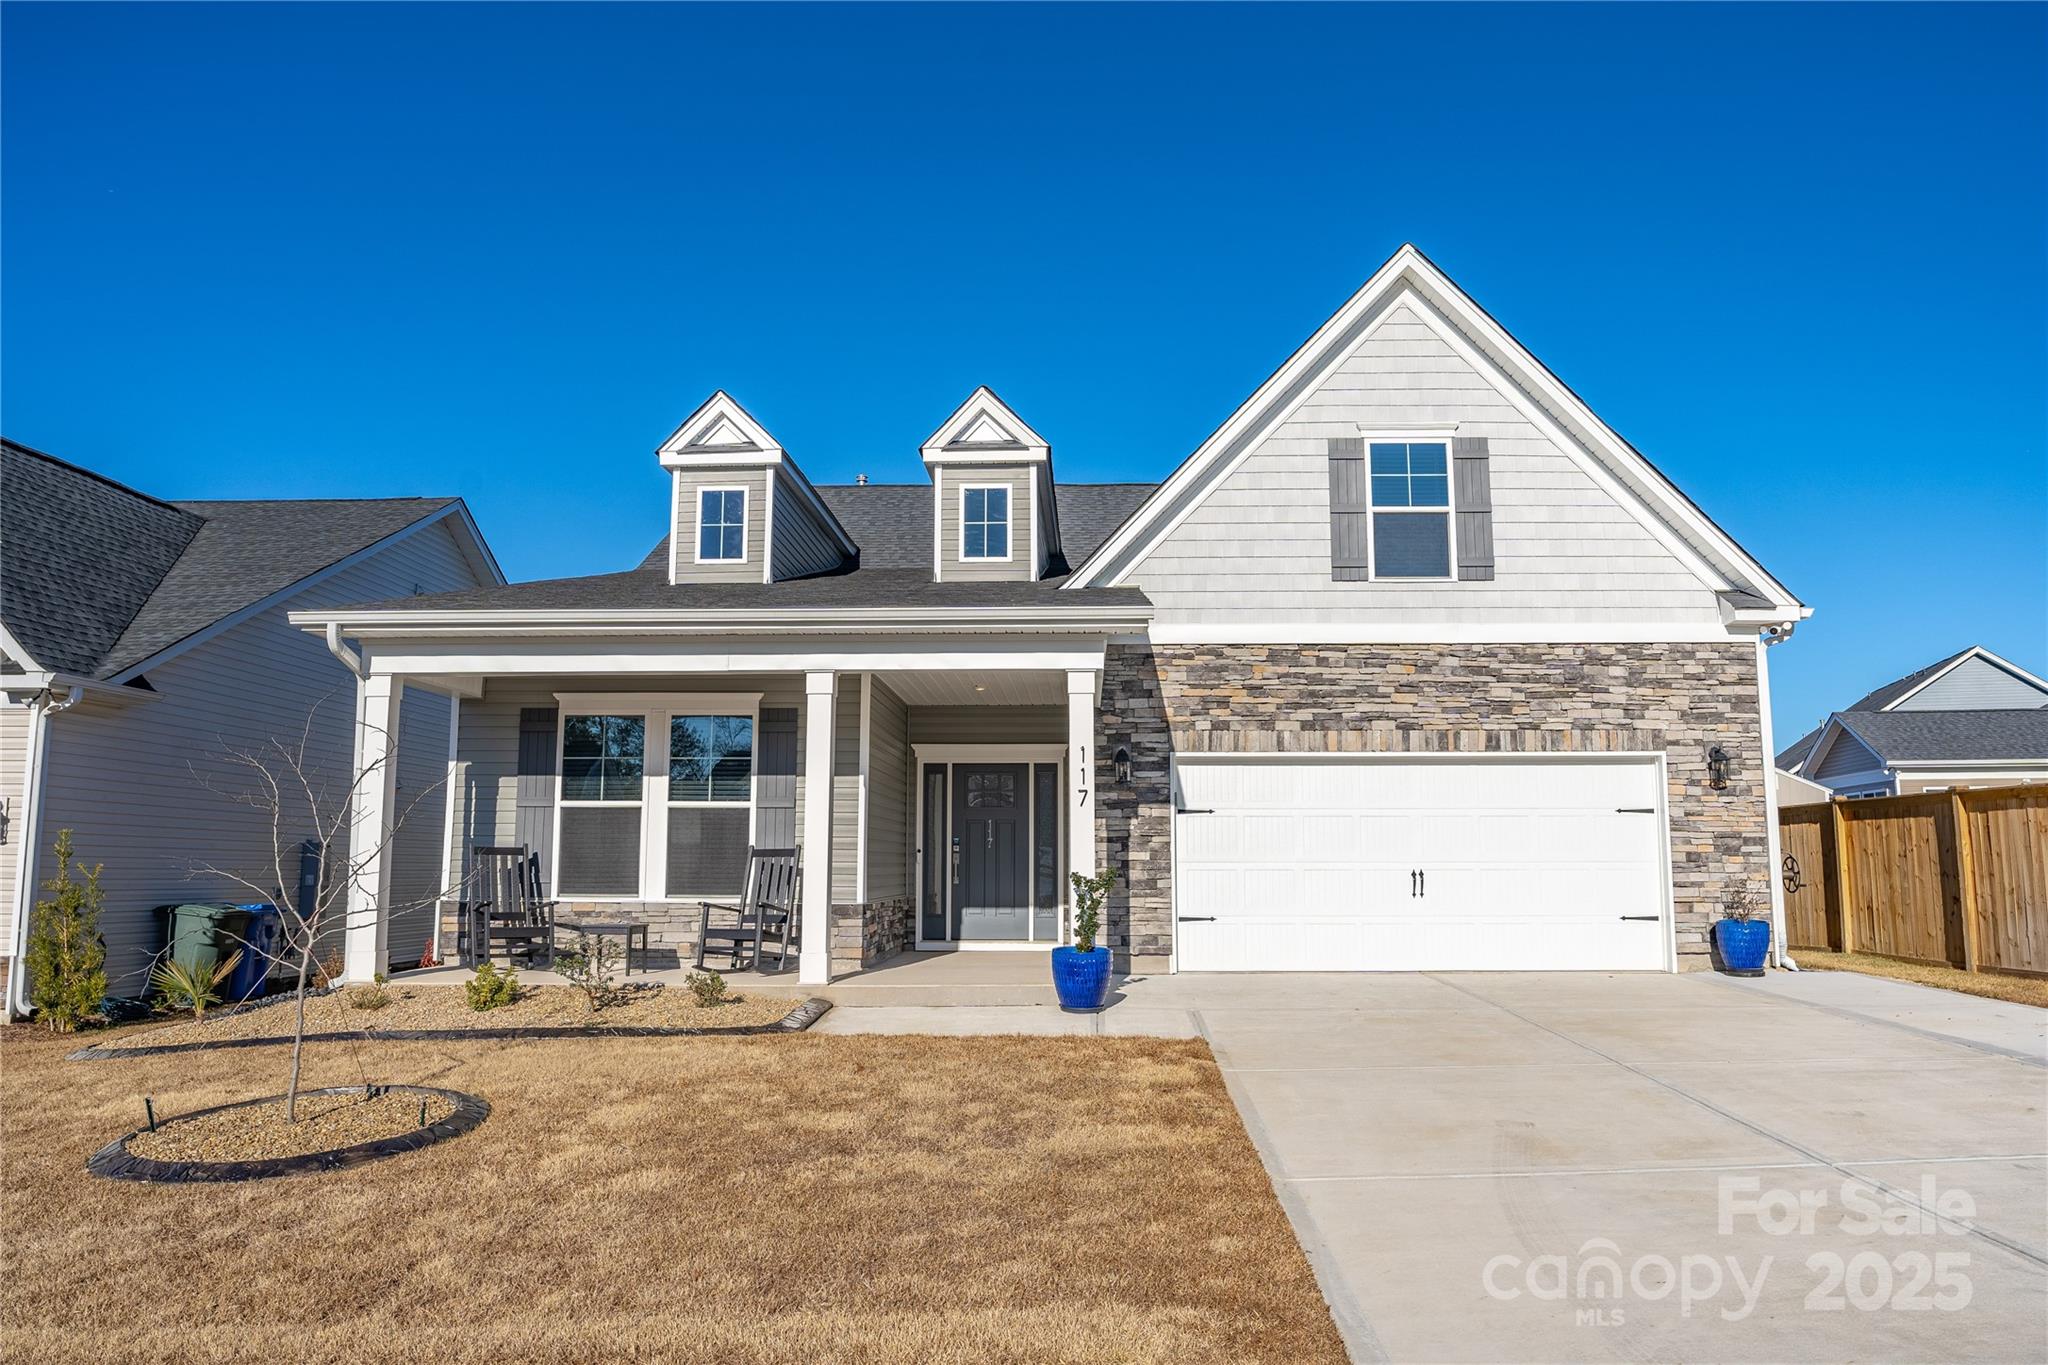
[1472, 496]
[534, 823]
[775, 779]
[1348, 510]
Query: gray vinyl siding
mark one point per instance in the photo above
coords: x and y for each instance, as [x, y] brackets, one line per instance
[988, 725]
[1257, 548]
[1017, 478]
[487, 746]
[688, 570]
[800, 545]
[890, 798]
[139, 782]
[1846, 757]
[846, 791]
[13, 769]
[1976, 685]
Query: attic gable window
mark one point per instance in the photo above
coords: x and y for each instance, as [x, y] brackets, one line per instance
[721, 525]
[1411, 508]
[985, 522]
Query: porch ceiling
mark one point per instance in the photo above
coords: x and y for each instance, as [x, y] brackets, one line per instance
[992, 687]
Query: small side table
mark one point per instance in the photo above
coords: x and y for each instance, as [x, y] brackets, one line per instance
[624, 929]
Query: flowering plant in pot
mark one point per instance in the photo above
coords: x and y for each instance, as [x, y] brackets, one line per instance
[1080, 974]
[1743, 938]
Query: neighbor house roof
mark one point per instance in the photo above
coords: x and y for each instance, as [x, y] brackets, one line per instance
[1952, 736]
[892, 525]
[96, 577]
[1899, 687]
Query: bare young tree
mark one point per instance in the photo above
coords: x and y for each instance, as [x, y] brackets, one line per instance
[286, 780]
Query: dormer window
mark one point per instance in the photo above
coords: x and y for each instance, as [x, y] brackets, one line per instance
[721, 525]
[985, 521]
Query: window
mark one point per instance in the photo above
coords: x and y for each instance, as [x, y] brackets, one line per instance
[985, 522]
[604, 764]
[710, 796]
[721, 525]
[1411, 509]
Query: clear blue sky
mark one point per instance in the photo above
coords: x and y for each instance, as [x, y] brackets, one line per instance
[1799, 256]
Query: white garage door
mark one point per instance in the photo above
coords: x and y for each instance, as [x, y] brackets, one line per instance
[1296, 865]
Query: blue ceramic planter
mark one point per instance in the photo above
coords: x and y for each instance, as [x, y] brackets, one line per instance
[1744, 945]
[1081, 979]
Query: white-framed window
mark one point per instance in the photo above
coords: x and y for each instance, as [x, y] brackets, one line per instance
[656, 796]
[1409, 490]
[985, 521]
[721, 525]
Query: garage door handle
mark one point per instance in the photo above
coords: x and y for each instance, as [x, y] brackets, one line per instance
[1635, 810]
[1197, 919]
[1191, 810]
[1652, 918]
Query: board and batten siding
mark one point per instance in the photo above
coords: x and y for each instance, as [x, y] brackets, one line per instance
[1976, 685]
[687, 484]
[141, 783]
[13, 769]
[1017, 478]
[800, 545]
[889, 794]
[1257, 549]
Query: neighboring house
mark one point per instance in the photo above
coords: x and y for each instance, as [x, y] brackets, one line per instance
[1794, 790]
[1414, 663]
[1972, 720]
[143, 638]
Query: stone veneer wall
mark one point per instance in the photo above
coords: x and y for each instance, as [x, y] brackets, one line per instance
[1680, 698]
[871, 932]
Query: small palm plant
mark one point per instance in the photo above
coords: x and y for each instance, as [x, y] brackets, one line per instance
[181, 986]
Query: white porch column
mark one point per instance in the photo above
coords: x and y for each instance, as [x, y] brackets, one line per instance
[814, 957]
[1082, 685]
[368, 861]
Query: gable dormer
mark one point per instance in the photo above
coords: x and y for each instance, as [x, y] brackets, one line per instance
[993, 513]
[740, 511]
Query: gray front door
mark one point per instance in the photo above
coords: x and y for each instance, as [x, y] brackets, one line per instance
[992, 847]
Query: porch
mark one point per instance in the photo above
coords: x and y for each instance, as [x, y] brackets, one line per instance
[955, 800]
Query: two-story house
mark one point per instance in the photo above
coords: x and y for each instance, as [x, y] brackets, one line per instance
[1413, 664]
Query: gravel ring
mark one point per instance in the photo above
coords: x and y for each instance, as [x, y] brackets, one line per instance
[112, 1162]
[797, 1020]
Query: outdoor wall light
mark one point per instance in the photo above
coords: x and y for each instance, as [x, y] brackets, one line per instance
[1123, 766]
[1717, 768]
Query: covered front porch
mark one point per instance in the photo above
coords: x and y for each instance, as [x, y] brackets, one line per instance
[938, 790]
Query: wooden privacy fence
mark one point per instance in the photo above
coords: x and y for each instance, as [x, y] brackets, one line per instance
[1955, 879]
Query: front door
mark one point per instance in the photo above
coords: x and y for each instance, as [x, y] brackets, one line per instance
[991, 859]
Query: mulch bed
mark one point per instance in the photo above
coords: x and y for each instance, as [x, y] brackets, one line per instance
[795, 1020]
[338, 1128]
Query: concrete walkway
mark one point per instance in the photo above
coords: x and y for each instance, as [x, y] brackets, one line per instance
[1454, 1148]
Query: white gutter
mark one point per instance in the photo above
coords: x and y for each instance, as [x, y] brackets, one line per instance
[40, 709]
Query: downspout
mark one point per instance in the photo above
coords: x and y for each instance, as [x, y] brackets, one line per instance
[338, 647]
[1773, 847]
[40, 709]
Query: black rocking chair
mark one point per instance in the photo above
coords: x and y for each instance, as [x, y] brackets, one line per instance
[507, 908]
[770, 913]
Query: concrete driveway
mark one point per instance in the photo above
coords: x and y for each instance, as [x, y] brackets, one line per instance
[1464, 1157]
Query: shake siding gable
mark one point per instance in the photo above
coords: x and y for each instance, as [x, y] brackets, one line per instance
[1258, 548]
[140, 784]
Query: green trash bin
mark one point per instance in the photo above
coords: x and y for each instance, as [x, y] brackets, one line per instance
[202, 935]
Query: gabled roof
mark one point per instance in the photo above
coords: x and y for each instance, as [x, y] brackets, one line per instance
[1889, 696]
[1793, 756]
[1712, 554]
[1952, 736]
[97, 579]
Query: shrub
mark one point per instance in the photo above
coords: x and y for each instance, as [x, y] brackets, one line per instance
[707, 987]
[429, 958]
[490, 988]
[181, 986]
[1744, 903]
[329, 969]
[66, 962]
[370, 997]
[588, 967]
[1089, 895]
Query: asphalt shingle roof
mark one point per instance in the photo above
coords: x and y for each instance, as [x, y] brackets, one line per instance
[1898, 687]
[1960, 736]
[96, 577]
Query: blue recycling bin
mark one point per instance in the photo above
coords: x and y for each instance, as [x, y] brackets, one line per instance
[262, 935]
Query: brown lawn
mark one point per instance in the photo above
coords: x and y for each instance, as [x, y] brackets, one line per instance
[2019, 990]
[803, 1199]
